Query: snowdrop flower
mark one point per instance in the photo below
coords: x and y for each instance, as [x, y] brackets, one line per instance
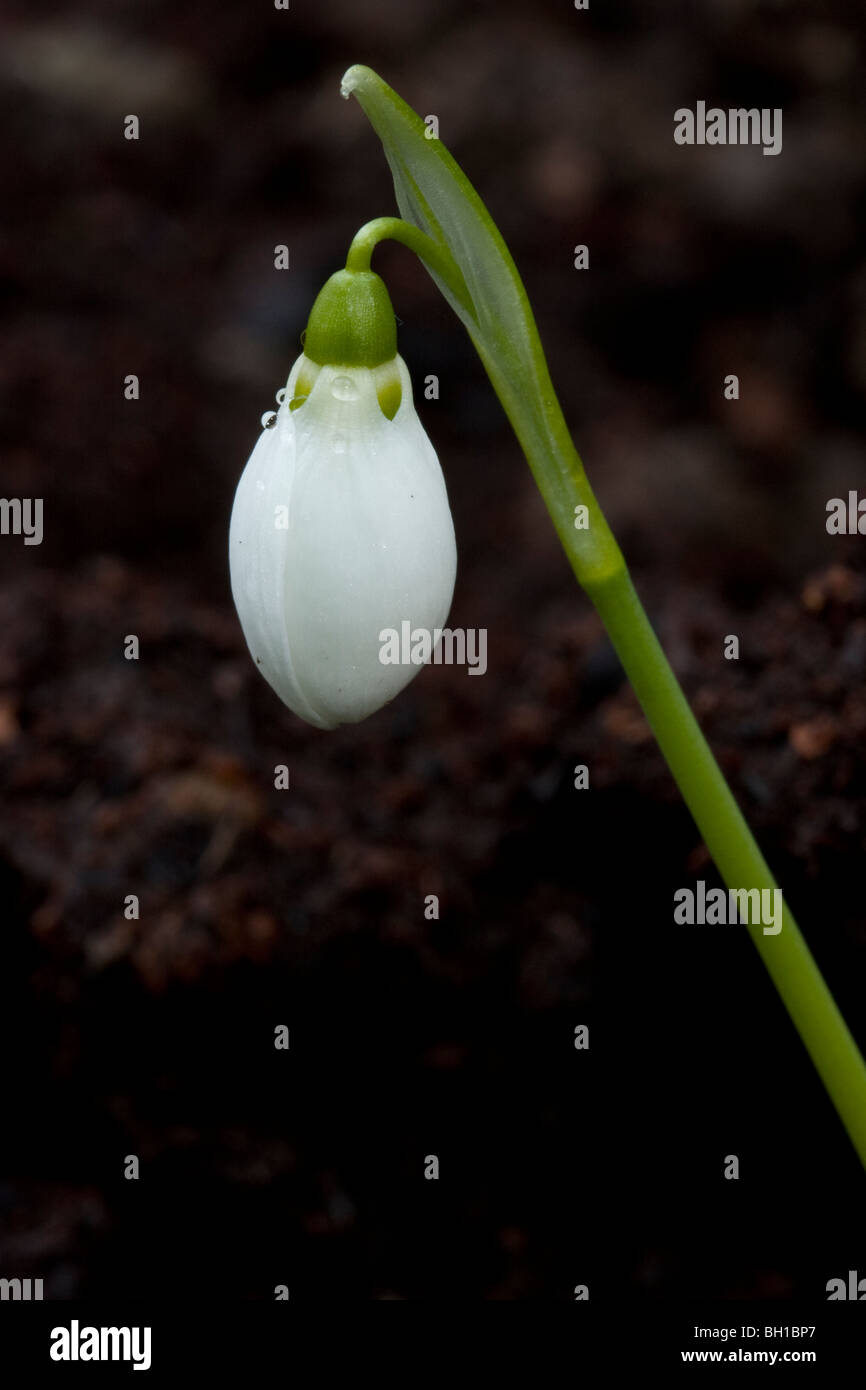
[341, 526]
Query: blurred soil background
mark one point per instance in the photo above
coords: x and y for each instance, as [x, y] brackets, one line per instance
[306, 907]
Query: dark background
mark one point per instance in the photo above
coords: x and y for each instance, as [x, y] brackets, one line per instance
[305, 907]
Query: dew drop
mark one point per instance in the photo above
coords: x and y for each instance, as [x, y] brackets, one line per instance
[344, 389]
[269, 419]
[339, 444]
[280, 396]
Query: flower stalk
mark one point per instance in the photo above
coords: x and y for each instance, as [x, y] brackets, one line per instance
[446, 224]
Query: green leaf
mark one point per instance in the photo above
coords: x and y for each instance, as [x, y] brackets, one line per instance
[437, 200]
[435, 195]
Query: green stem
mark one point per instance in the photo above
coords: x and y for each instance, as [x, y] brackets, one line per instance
[602, 571]
[730, 842]
[597, 561]
[433, 253]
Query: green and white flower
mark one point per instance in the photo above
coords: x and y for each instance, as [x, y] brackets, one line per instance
[341, 525]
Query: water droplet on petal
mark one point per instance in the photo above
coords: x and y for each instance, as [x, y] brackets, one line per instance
[269, 419]
[280, 396]
[343, 388]
[339, 444]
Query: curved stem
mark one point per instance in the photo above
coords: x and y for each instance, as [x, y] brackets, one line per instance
[532, 407]
[433, 253]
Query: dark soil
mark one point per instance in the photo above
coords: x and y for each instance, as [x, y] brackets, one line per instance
[306, 907]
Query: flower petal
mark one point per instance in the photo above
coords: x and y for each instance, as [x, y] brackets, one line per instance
[257, 557]
[371, 543]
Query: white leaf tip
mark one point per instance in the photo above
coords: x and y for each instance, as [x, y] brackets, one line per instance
[352, 79]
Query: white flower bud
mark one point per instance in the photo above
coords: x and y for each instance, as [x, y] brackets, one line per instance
[340, 528]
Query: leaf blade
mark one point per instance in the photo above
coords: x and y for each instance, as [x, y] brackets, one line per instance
[435, 195]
